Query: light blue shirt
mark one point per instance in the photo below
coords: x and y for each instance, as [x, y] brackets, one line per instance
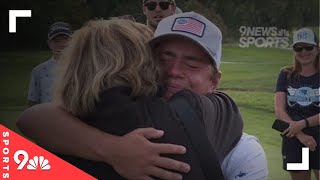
[246, 161]
[41, 82]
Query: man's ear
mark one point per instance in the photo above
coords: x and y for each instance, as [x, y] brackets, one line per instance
[215, 81]
[144, 9]
[174, 6]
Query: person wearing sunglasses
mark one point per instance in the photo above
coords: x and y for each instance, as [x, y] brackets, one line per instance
[156, 10]
[297, 102]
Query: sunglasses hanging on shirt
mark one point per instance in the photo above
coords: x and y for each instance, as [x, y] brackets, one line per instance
[300, 48]
[153, 5]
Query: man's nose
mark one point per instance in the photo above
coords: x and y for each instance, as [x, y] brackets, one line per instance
[158, 8]
[174, 69]
[62, 43]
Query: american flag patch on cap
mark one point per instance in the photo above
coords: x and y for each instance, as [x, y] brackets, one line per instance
[189, 25]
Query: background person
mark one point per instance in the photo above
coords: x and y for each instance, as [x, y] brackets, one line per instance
[156, 10]
[42, 76]
[297, 102]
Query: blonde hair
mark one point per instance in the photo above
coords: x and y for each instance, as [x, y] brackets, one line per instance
[101, 55]
[294, 69]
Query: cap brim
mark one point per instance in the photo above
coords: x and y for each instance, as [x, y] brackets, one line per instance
[60, 33]
[156, 40]
[307, 42]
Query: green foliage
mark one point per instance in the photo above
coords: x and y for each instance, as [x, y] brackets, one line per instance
[286, 14]
[15, 72]
[229, 15]
[32, 32]
[252, 69]
[207, 11]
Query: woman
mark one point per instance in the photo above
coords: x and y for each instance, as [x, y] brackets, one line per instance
[297, 102]
[109, 80]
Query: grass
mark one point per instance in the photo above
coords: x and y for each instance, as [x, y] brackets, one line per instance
[15, 71]
[252, 69]
[248, 75]
[256, 109]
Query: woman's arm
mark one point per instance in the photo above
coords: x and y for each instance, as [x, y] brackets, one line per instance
[281, 112]
[314, 120]
[307, 140]
[296, 126]
[280, 107]
[132, 155]
[58, 131]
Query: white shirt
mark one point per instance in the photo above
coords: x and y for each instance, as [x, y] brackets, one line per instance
[246, 161]
[40, 86]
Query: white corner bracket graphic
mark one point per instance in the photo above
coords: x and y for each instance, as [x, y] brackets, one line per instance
[13, 14]
[304, 165]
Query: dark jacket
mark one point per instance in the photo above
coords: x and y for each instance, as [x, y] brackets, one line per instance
[118, 113]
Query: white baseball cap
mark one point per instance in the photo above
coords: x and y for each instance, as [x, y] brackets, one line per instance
[193, 26]
[305, 35]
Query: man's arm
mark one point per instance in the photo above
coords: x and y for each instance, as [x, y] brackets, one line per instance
[133, 156]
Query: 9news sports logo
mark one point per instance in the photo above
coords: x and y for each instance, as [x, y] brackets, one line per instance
[24, 160]
[33, 163]
[263, 37]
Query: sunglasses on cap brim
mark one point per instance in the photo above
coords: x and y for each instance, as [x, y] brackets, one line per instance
[298, 48]
[153, 5]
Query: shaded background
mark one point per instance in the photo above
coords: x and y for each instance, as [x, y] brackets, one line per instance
[229, 15]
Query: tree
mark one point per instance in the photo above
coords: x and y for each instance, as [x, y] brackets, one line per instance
[32, 32]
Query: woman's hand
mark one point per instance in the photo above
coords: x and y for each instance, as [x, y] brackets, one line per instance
[136, 157]
[294, 128]
[307, 140]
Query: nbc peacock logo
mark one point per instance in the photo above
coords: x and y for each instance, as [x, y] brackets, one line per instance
[37, 162]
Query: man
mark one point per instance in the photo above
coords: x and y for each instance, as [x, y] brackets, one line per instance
[189, 49]
[156, 10]
[40, 87]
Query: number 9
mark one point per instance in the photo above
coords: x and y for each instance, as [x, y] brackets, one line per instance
[17, 160]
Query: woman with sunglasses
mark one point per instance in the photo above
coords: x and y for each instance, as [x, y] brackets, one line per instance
[297, 103]
[156, 10]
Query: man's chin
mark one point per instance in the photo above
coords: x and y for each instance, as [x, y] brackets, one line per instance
[167, 96]
[157, 21]
[170, 92]
[155, 24]
[56, 56]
